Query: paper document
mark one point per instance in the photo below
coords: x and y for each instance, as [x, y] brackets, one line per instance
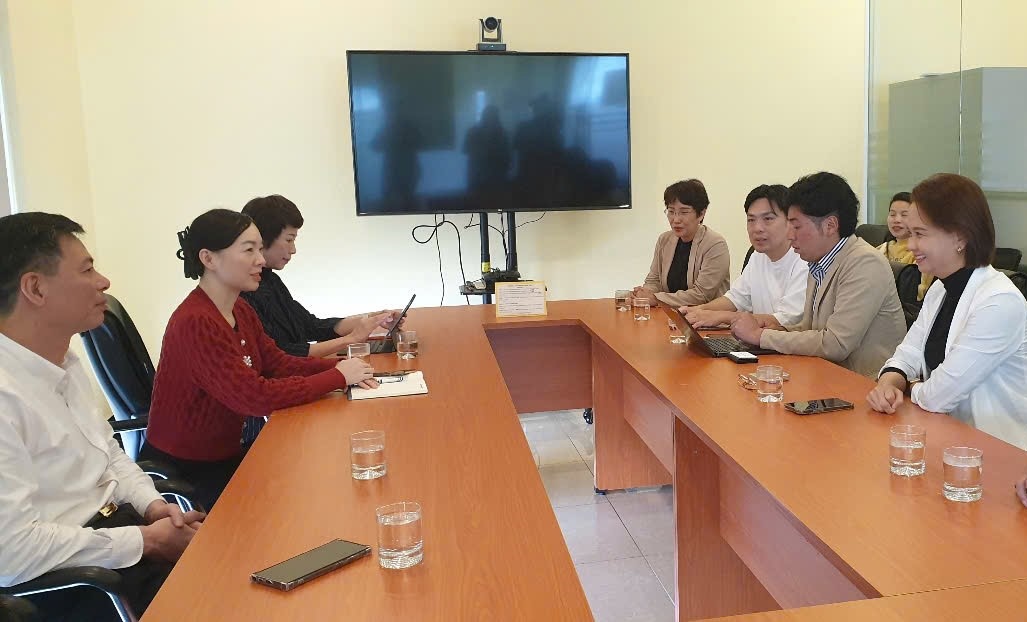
[520, 298]
[410, 384]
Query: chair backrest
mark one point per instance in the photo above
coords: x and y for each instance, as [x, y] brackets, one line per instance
[1007, 259]
[907, 284]
[1019, 279]
[875, 235]
[745, 261]
[122, 365]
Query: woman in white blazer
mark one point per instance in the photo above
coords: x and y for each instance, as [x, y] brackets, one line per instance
[966, 354]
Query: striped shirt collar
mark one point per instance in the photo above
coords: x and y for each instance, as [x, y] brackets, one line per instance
[818, 269]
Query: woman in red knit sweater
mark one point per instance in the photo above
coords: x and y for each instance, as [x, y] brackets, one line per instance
[217, 366]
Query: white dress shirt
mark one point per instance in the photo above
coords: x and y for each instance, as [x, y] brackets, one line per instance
[983, 377]
[59, 464]
[775, 288]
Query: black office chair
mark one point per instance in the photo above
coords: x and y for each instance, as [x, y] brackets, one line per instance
[124, 370]
[907, 284]
[102, 579]
[875, 235]
[1018, 278]
[16, 610]
[1007, 259]
[748, 254]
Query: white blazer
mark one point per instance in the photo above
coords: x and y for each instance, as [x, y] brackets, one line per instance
[983, 379]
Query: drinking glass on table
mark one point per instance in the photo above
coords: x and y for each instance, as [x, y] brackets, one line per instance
[907, 447]
[400, 544]
[367, 454]
[641, 306]
[621, 299]
[769, 383]
[406, 344]
[962, 474]
[359, 350]
[676, 335]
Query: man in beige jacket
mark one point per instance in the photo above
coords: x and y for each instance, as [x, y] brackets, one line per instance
[852, 314]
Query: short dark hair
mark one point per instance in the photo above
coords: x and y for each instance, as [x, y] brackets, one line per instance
[775, 194]
[957, 204]
[690, 192]
[905, 197]
[31, 242]
[214, 230]
[825, 194]
[272, 214]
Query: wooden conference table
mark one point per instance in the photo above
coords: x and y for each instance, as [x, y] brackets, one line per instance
[773, 511]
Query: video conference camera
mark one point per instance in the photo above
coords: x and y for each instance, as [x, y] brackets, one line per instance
[491, 35]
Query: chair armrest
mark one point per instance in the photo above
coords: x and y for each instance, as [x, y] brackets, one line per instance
[100, 578]
[180, 488]
[158, 468]
[15, 609]
[130, 425]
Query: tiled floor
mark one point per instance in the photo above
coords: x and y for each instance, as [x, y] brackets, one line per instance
[622, 543]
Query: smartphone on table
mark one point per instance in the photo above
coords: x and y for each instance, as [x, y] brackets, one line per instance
[307, 566]
[815, 407]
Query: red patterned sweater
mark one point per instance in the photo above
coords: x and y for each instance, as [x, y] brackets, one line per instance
[211, 377]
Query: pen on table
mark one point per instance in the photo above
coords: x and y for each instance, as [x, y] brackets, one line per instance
[387, 374]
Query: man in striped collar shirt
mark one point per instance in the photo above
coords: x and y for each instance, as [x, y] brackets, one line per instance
[852, 315]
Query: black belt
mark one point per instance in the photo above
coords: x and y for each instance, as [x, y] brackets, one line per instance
[101, 515]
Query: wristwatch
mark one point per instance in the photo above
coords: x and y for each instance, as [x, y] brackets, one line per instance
[911, 384]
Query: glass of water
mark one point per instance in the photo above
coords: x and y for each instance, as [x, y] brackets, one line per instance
[359, 350]
[963, 466]
[770, 383]
[620, 298]
[406, 344]
[367, 454]
[907, 449]
[400, 544]
[676, 336]
[641, 306]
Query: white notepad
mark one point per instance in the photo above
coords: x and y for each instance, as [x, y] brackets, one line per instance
[411, 384]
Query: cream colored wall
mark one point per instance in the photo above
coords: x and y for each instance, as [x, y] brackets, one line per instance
[191, 105]
[43, 99]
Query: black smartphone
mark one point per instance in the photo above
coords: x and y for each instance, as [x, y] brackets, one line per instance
[815, 407]
[307, 566]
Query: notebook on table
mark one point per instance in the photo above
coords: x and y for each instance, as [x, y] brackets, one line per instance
[392, 386]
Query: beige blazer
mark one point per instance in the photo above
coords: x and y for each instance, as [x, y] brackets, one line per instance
[709, 267]
[858, 321]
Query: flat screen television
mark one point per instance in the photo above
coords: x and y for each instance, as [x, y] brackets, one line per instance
[450, 132]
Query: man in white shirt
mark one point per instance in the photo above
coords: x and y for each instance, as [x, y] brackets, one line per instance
[773, 283]
[69, 496]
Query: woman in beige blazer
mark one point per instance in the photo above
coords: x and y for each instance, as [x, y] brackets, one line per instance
[691, 263]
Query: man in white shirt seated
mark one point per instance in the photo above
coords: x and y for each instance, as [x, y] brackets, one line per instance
[69, 496]
[773, 283]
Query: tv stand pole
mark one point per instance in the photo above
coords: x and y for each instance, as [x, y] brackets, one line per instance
[486, 260]
[511, 234]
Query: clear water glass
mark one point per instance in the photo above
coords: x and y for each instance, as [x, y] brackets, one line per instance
[907, 449]
[406, 344]
[770, 383]
[400, 543]
[367, 454]
[641, 307]
[962, 474]
[621, 298]
[676, 335]
[359, 350]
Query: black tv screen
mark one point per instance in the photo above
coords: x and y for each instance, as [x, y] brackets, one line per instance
[445, 132]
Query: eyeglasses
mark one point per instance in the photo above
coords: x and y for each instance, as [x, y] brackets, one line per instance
[748, 381]
[671, 213]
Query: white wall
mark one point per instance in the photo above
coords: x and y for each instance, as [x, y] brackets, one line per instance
[192, 104]
[43, 101]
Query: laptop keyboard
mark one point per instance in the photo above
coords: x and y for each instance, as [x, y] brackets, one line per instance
[723, 345]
